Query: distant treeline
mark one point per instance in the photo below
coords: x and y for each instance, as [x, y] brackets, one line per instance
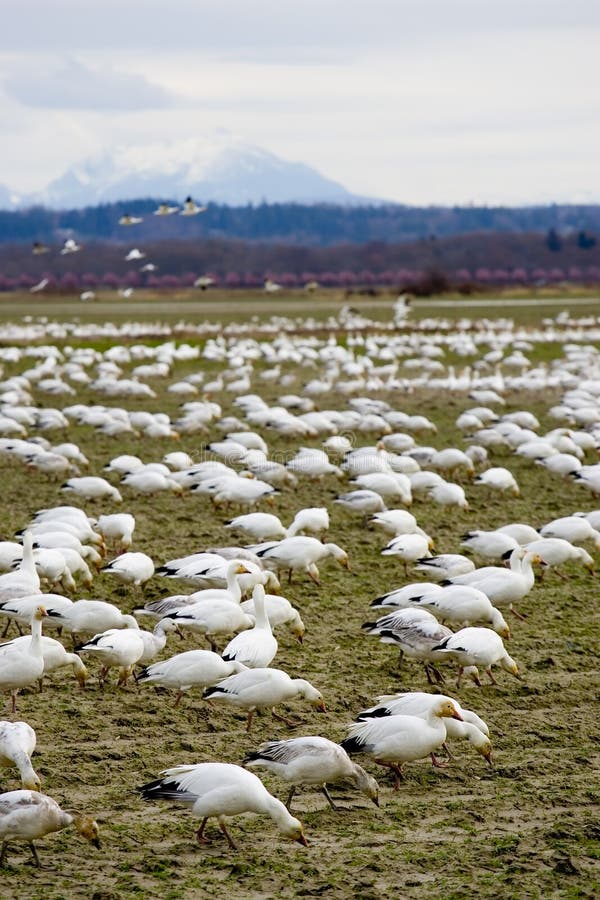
[464, 262]
[320, 225]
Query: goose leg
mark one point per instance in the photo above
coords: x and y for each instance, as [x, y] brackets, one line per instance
[178, 698]
[3, 854]
[328, 795]
[249, 720]
[519, 615]
[200, 833]
[227, 835]
[13, 697]
[288, 802]
[396, 769]
[446, 749]
[5, 632]
[490, 676]
[281, 718]
[36, 858]
[438, 763]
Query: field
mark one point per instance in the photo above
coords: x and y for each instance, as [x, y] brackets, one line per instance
[527, 827]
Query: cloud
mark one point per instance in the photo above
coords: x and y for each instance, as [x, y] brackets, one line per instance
[76, 86]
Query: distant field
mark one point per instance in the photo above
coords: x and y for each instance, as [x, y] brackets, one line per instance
[525, 307]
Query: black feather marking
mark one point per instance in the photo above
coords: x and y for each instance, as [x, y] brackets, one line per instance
[446, 582]
[352, 745]
[215, 689]
[377, 713]
[368, 625]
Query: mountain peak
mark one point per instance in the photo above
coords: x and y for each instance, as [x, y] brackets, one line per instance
[221, 168]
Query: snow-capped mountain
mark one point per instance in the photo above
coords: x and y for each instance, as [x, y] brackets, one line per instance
[220, 169]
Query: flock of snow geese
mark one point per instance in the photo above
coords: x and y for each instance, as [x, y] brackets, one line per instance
[381, 458]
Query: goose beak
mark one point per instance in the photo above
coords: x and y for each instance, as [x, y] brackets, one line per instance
[457, 715]
[321, 706]
[302, 840]
[375, 801]
[96, 842]
[488, 758]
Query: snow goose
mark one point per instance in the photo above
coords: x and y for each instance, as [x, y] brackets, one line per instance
[474, 647]
[408, 548]
[29, 815]
[450, 461]
[91, 487]
[256, 647]
[124, 464]
[151, 482]
[221, 790]
[397, 522]
[259, 526]
[313, 463]
[194, 668]
[310, 520]
[257, 689]
[416, 632]
[21, 609]
[55, 656]
[400, 598]
[303, 553]
[118, 528]
[522, 533]
[574, 529]
[241, 491]
[418, 703]
[25, 578]
[445, 565]
[504, 586]
[448, 494]
[23, 664]
[156, 640]
[389, 485]
[91, 617]
[489, 544]
[364, 502]
[312, 761]
[212, 618]
[555, 551]
[460, 603]
[499, 479]
[117, 647]
[131, 568]
[17, 743]
[395, 740]
[280, 612]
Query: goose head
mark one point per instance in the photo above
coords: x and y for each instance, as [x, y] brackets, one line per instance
[295, 832]
[446, 708]
[87, 827]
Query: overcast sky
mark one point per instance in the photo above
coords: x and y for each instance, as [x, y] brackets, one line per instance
[419, 101]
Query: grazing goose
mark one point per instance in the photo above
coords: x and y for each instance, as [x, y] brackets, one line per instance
[256, 647]
[401, 597]
[462, 603]
[445, 565]
[504, 586]
[221, 790]
[118, 527]
[395, 740]
[522, 533]
[23, 664]
[574, 529]
[259, 526]
[29, 815]
[310, 520]
[364, 502]
[408, 548]
[194, 668]
[91, 487]
[397, 522]
[131, 568]
[499, 479]
[303, 553]
[91, 617]
[212, 618]
[555, 551]
[17, 743]
[416, 632]
[116, 647]
[312, 761]
[448, 494]
[418, 703]
[255, 689]
[474, 647]
[21, 609]
[489, 544]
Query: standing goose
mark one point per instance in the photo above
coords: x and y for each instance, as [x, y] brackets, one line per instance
[257, 647]
[116, 647]
[17, 743]
[23, 664]
[211, 618]
[131, 568]
[314, 761]
[474, 647]
[417, 633]
[24, 580]
[279, 611]
[194, 668]
[221, 790]
[255, 689]
[395, 740]
[504, 586]
[29, 815]
[55, 656]
[303, 553]
[462, 603]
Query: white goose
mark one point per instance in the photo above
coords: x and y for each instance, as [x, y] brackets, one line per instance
[464, 604]
[489, 544]
[256, 647]
[397, 522]
[55, 656]
[25, 579]
[131, 568]
[408, 548]
[256, 689]
[418, 703]
[156, 640]
[259, 526]
[23, 664]
[17, 743]
[212, 618]
[301, 553]
[499, 479]
[555, 551]
[445, 565]
[29, 815]
[194, 668]
[310, 520]
[416, 632]
[395, 740]
[504, 586]
[118, 528]
[574, 529]
[279, 611]
[365, 502]
[312, 761]
[91, 617]
[122, 648]
[474, 647]
[221, 790]
[91, 487]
